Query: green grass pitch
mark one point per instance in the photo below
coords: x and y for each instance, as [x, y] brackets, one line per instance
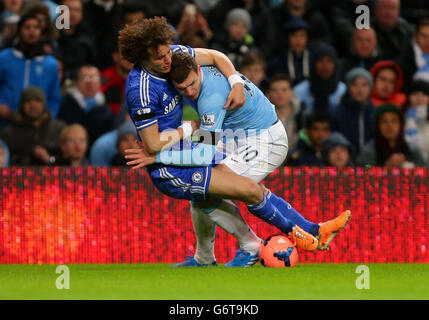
[157, 281]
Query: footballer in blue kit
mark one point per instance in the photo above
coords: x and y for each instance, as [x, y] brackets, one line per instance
[155, 106]
[153, 100]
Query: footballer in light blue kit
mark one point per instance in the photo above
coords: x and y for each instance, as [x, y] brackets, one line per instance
[259, 151]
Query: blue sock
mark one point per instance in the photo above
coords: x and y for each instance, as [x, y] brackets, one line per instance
[270, 214]
[290, 213]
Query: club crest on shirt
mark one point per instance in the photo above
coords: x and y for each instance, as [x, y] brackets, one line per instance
[197, 177]
[208, 120]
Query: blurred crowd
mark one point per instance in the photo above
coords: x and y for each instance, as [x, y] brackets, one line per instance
[347, 96]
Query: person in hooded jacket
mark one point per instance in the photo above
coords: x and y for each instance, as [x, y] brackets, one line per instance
[389, 147]
[323, 90]
[33, 137]
[354, 118]
[294, 57]
[388, 82]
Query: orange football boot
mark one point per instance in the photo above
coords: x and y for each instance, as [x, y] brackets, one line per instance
[303, 239]
[329, 229]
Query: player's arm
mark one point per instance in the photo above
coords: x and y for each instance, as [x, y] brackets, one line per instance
[142, 105]
[213, 115]
[237, 96]
[155, 141]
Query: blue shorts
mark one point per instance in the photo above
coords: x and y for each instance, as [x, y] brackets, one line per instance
[189, 183]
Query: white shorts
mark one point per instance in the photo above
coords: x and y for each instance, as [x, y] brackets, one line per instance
[255, 157]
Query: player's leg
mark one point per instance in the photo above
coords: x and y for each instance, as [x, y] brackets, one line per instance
[289, 212]
[255, 157]
[193, 184]
[205, 216]
[227, 216]
[204, 229]
[231, 186]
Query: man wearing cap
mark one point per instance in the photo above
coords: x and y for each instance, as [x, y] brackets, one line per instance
[320, 30]
[127, 138]
[33, 137]
[337, 151]
[237, 41]
[354, 118]
[294, 58]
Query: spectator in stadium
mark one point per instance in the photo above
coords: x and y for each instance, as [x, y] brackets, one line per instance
[319, 30]
[262, 29]
[354, 118]
[393, 32]
[343, 22]
[132, 11]
[389, 148]
[417, 117]
[416, 62]
[294, 59]
[253, 68]
[170, 9]
[11, 6]
[4, 155]
[337, 151]
[33, 136]
[363, 51]
[104, 150]
[236, 41]
[414, 10]
[76, 43]
[84, 103]
[103, 18]
[193, 27]
[113, 81]
[127, 138]
[288, 107]
[308, 151]
[50, 34]
[26, 64]
[74, 144]
[10, 11]
[323, 90]
[388, 82]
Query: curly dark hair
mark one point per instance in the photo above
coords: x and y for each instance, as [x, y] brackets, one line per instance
[135, 39]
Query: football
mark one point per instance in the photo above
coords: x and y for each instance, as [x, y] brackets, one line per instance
[278, 251]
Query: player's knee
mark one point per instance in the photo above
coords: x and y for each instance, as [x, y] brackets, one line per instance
[254, 193]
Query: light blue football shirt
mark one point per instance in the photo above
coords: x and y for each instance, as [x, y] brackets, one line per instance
[257, 114]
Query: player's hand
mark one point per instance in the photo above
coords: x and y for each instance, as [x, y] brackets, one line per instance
[139, 157]
[236, 98]
[195, 124]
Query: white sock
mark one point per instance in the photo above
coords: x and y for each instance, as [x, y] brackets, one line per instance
[204, 229]
[228, 217]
